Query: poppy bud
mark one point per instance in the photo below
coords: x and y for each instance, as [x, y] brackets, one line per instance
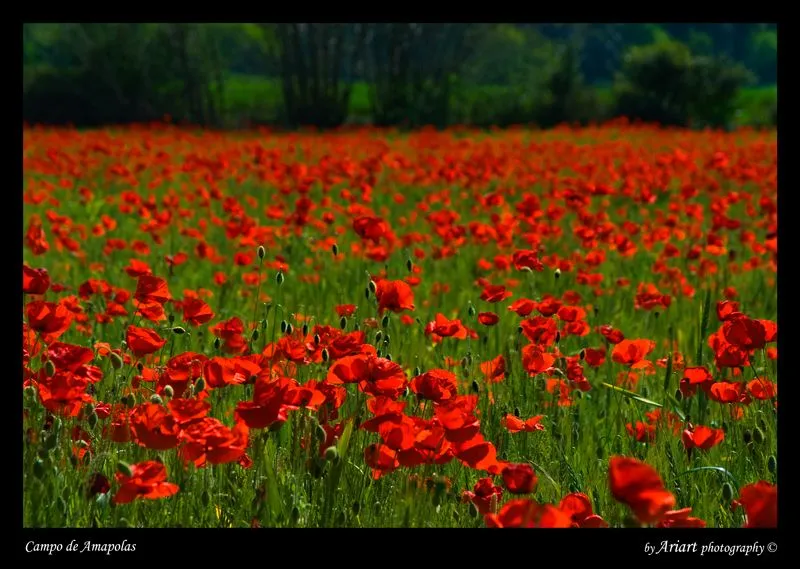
[366, 293]
[289, 329]
[279, 278]
[331, 453]
[171, 318]
[388, 356]
[264, 324]
[464, 362]
[169, 392]
[417, 371]
[316, 339]
[406, 391]
[378, 336]
[116, 360]
[409, 264]
[475, 387]
[179, 330]
[678, 395]
[471, 310]
[583, 355]
[284, 324]
[140, 367]
[321, 433]
[124, 400]
[51, 442]
[558, 337]
[38, 468]
[261, 252]
[356, 326]
[156, 398]
[772, 464]
[378, 353]
[335, 249]
[516, 412]
[343, 323]
[254, 335]
[305, 329]
[49, 368]
[557, 273]
[92, 420]
[385, 321]
[372, 287]
[200, 385]
[132, 400]
[758, 435]
[727, 492]
[747, 436]
[325, 355]
[124, 468]
[217, 344]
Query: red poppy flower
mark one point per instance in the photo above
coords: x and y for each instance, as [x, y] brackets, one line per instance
[49, 319]
[631, 352]
[579, 508]
[196, 311]
[485, 495]
[35, 281]
[150, 289]
[519, 478]
[536, 361]
[680, 519]
[494, 370]
[760, 502]
[525, 513]
[514, 424]
[435, 385]
[523, 307]
[639, 486]
[702, 437]
[143, 341]
[495, 293]
[148, 480]
[345, 309]
[613, 336]
[395, 296]
[488, 318]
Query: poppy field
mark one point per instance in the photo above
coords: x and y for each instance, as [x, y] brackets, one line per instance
[574, 328]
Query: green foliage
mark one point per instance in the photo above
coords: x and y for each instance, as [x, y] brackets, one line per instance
[664, 82]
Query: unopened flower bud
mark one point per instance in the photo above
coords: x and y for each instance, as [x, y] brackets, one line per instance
[385, 321]
[409, 265]
[49, 368]
[284, 324]
[179, 330]
[372, 287]
[217, 343]
[124, 468]
[305, 330]
[471, 310]
[200, 385]
[289, 329]
[254, 335]
[557, 273]
[279, 278]
[727, 492]
[316, 339]
[169, 391]
[335, 249]
[772, 464]
[116, 360]
[325, 355]
[261, 252]
[331, 453]
[156, 398]
[343, 323]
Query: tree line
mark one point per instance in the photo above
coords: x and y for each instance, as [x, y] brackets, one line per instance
[411, 74]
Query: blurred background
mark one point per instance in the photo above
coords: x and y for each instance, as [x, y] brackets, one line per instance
[400, 74]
